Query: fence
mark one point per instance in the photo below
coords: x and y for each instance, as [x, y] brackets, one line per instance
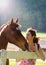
[17, 54]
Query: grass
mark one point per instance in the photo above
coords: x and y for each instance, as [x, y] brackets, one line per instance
[41, 35]
[40, 63]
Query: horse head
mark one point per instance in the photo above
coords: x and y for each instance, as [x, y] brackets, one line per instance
[13, 34]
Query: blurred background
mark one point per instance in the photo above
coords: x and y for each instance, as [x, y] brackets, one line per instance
[31, 13]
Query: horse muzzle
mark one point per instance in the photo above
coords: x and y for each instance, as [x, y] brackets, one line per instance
[26, 47]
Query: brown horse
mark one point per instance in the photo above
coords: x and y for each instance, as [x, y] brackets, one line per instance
[10, 32]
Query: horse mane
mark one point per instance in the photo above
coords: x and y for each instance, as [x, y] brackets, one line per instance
[2, 28]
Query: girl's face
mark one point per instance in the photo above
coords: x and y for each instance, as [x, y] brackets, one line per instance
[28, 36]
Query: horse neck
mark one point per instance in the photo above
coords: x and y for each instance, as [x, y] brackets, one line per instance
[3, 42]
[3, 39]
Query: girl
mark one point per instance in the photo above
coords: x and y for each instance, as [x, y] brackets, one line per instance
[33, 46]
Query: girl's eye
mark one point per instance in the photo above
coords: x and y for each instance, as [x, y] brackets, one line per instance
[28, 34]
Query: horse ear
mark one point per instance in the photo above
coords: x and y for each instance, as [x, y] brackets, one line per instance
[16, 20]
[11, 20]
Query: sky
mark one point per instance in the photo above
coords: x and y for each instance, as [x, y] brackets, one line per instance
[25, 10]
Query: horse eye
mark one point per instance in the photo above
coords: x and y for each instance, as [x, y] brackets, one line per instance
[18, 29]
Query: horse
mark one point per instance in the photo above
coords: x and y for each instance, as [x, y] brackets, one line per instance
[10, 32]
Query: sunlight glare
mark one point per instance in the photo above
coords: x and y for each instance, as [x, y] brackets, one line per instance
[3, 4]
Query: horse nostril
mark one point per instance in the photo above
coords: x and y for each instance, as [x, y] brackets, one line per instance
[26, 46]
